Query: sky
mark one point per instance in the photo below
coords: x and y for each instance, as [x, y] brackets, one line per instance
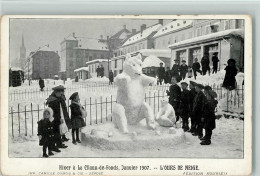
[39, 32]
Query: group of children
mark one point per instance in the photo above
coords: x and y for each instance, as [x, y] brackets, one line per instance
[196, 104]
[46, 126]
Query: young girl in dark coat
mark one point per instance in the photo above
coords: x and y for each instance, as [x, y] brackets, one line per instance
[76, 117]
[45, 132]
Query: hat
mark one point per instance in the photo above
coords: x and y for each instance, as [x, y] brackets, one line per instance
[207, 88]
[200, 86]
[213, 94]
[176, 60]
[231, 60]
[183, 82]
[73, 95]
[183, 61]
[161, 63]
[59, 88]
[193, 83]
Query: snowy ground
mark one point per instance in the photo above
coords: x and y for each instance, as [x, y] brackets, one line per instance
[227, 142]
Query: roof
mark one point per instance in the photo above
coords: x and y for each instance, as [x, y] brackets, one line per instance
[117, 35]
[71, 38]
[81, 69]
[16, 69]
[157, 52]
[173, 26]
[146, 33]
[91, 44]
[96, 60]
[152, 61]
[209, 37]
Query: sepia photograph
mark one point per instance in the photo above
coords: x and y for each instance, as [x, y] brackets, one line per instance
[129, 88]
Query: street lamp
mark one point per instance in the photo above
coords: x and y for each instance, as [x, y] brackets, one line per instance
[29, 58]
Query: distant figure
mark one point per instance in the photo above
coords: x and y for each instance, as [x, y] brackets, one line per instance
[230, 77]
[196, 68]
[98, 71]
[111, 77]
[176, 70]
[77, 79]
[167, 78]
[41, 83]
[215, 61]
[161, 73]
[183, 69]
[205, 64]
[102, 71]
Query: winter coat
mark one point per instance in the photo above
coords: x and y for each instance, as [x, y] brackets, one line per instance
[209, 113]
[41, 83]
[215, 61]
[111, 77]
[45, 129]
[198, 105]
[205, 62]
[175, 70]
[76, 116]
[167, 78]
[54, 103]
[192, 95]
[185, 102]
[196, 66]
[175, 98]
[161, 73]
[230, 78]
[183, 69]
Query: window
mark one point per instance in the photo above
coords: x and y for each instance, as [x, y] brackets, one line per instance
[198, 31]
[226, 24]
[102, 56]
[95, 56]
[207, 29]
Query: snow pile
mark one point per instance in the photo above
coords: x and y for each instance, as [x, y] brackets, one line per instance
[152, 61]
[98, 80]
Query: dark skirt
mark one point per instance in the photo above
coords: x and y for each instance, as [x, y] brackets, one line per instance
[209, 122]
[77, 123]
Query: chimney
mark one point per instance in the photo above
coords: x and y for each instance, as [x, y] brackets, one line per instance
[124, 26]
[101, 37]
[160, 21]
[143, 26]
[133, 31]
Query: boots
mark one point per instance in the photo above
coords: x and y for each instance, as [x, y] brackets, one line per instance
[45, 155]
[206, 142]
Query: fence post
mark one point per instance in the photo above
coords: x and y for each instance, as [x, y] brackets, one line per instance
[32, 117]
[96, 109]
[12, 121]
[106, 108]
[19, 120]
[90, 112]
[25, 121]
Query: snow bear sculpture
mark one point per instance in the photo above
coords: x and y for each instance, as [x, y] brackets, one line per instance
[166, 115]
[131, 108]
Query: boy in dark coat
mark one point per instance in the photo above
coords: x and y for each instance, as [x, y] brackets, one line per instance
[41, 84]
[215, 61]
[185, 106]
[55, 101]
[176, 70]
[192, 95]
[205, 64]
[230, 77]
[175, 97]
[183, 70]
[45, 132]
[161, 73]
[76, 117]
[197, 110]
[208, 118]
[196, 68]
[111, 77]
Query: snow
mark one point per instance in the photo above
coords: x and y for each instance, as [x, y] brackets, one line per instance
[152, 61]
[157, 52]
[81, 69]
[140, 36]
[98, 80]
[173, 26]
[91, 44]
[212, 36]
[16, 69]
[96, 60]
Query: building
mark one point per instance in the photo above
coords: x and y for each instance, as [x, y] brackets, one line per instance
[225, 37]
[94, 64]
[22, 58]
[76, 51]
[82, 73]
[43, 63]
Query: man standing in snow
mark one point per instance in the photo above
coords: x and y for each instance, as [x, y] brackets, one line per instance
[98, 71]
[175, 97]
[183, 69]
[176, 70]
[192, 95]
[161, 73]
[56, 101]
[102, 71]
[167, 78]
[41, 84]
[185, 106]
[215, 61]
[196, 67]
[205, 64]
[111, 77]
[197, 110]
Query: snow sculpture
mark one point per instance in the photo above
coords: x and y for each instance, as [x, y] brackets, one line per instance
[166, 115]
[131, 108]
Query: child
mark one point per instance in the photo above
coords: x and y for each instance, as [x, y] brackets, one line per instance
[189, 72]
[185, 106]
[208, 118]
[45, 132]
[76, 117]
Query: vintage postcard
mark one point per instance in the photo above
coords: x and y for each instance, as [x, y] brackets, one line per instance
[126, 95]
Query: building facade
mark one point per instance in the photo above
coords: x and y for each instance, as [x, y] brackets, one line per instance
[76, 51]
[44, 64]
